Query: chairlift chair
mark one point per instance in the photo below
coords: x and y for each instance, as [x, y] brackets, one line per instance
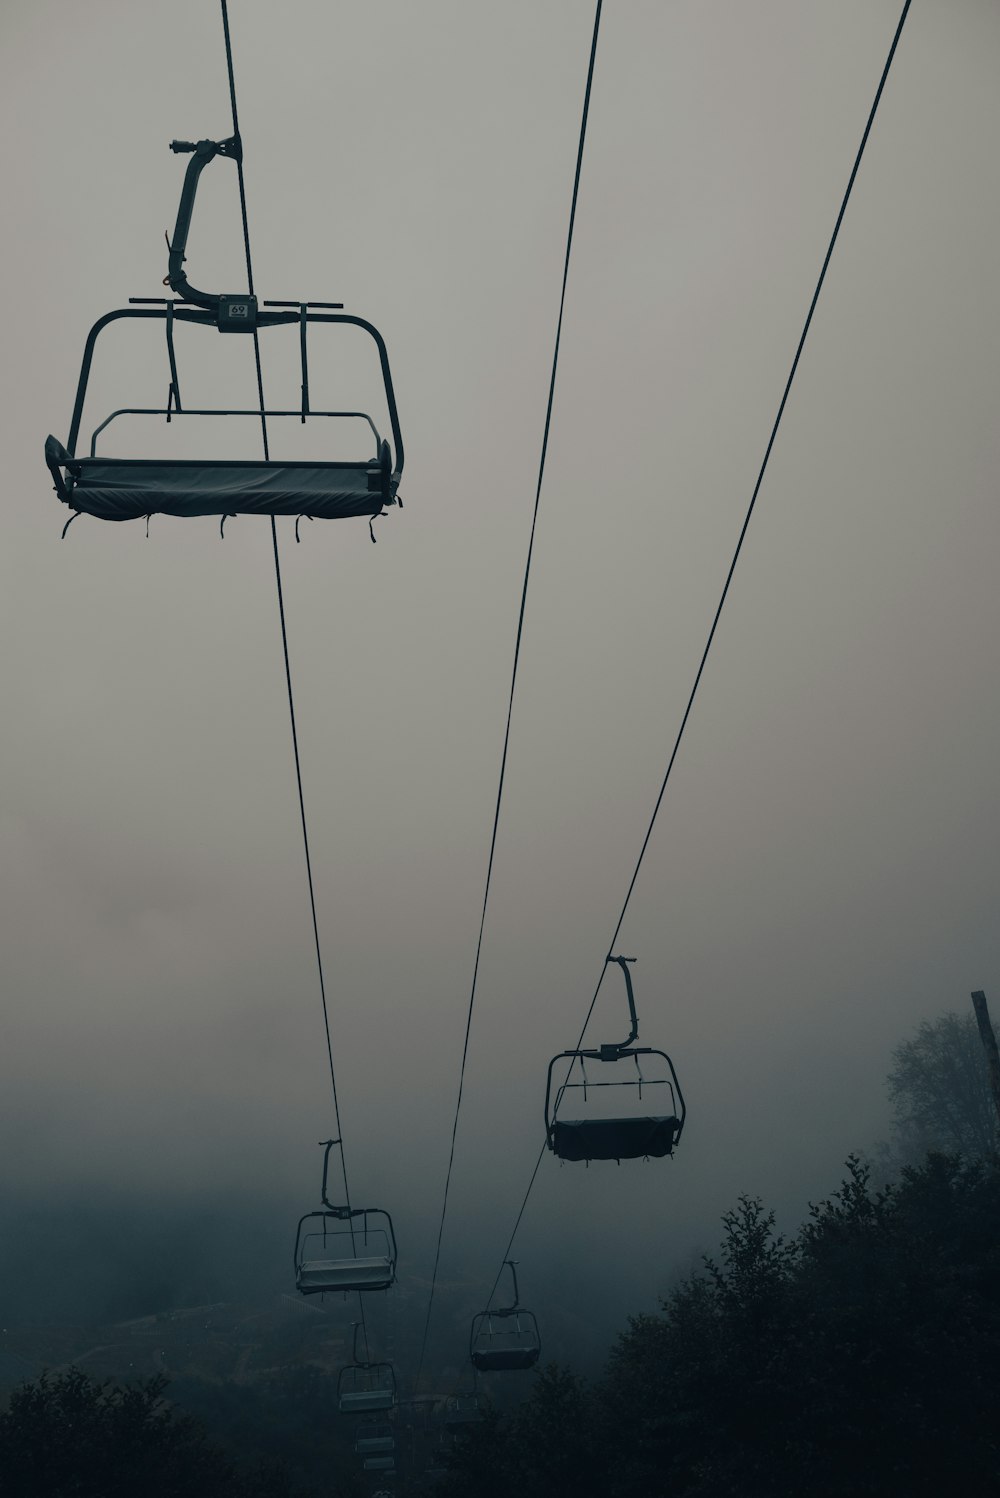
[441, 1454]
[129, 488]
[374, 1439]
[379, 1464]
[634, 1136]
[462, 1410]
[365, 1387]
[505, 1340]
[344, 1248]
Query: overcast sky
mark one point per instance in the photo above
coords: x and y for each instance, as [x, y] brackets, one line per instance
[822, 873]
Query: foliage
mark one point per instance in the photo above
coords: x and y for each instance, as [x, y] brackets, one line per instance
[67, 1435]
[289, 1418]
[860, 1358]
[940, 1090]
[544, 1447]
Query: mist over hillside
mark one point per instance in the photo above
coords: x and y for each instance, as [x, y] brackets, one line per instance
[307, 839]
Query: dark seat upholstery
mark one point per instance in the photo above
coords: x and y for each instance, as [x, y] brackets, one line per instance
[368, 1445]
[614, 1138]
[131, 488]
[123, 489]
[315, 1276]
[363, 1400]
[504, 1359]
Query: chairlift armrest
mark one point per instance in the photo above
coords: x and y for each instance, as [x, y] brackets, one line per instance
[392, 471]
[55, 453]
[56, 457]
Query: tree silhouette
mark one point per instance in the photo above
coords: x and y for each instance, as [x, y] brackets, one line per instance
[940, 1090]
[860, 1358]
[67, 1435]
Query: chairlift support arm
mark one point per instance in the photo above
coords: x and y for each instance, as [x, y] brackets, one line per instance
[623, 963]
[514, 1307]
[201, 152]
[327, 1145]
[346, 1213]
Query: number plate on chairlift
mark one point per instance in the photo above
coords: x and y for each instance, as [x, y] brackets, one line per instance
[237, 314]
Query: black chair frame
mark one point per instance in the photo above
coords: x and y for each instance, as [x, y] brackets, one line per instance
[334, 1213]
[179, 312]
[485, 1318]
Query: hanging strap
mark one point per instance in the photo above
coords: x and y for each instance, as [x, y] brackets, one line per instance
[305, 362]
[174, 392]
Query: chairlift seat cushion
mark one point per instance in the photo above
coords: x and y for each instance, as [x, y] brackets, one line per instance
[129, 489]
[379, 1464]
[368, 1445]
[314, 1276]
[504, 1359]
[614, 1138]
[366, 1399]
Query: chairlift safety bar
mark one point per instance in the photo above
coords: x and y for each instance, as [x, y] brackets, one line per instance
[218, 411]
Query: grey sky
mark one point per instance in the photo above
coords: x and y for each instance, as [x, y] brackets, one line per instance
[822, 872]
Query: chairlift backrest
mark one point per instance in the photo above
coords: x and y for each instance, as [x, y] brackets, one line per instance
[333, 1255]
[463, 1409]
[366, 1388]
[374, 1439]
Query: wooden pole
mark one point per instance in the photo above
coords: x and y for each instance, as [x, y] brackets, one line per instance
[989, 1040]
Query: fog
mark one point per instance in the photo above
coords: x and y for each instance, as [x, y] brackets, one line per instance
[821, 874]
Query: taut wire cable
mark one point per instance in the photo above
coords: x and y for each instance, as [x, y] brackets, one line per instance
[725, 592]
[284, 646]
[513, 680]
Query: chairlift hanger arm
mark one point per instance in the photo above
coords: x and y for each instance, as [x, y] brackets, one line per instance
[623, 963]
[327, 1145]
[514, 1306]
[202, 152]
[615, 1051]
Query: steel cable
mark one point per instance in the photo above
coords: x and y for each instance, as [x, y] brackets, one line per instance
[722, 600]
[513, 681]
[285, 652]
